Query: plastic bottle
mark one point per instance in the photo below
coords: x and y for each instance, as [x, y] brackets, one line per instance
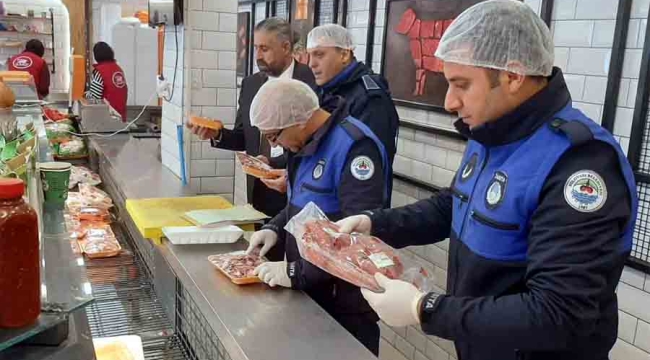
[20, 282]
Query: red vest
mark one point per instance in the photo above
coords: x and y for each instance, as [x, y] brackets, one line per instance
[115, 90]
[30, 62]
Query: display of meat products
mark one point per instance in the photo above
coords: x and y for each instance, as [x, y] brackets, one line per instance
[355, 258]
[256, 167]
[424, 40]
[238, 265]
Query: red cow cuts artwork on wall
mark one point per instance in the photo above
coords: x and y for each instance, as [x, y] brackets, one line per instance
[412, 36]
[424, 40]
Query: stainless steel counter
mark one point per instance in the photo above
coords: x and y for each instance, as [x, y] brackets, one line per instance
[252, 322]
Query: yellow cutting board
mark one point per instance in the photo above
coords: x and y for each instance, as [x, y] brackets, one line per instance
[151, 215]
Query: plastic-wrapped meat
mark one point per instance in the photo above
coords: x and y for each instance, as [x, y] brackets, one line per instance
[355, 258]
[406, 22]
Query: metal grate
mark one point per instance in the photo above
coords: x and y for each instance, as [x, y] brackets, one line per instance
[326, 12]
[194, 331]
[641, 245]
[281, 9]
[126, 304]
[644, 158]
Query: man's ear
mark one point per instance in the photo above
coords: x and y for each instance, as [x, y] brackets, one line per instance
[512, 77]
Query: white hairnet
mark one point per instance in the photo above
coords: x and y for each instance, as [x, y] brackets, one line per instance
[281, 103]
[330, 35]
[499, 34]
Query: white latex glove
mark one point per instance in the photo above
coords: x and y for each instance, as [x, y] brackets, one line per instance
[274, 274]
[265, 238]
[398, 305]
[357, 223]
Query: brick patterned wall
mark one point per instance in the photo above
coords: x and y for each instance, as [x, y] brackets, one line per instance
[583, 32]
[207, 87]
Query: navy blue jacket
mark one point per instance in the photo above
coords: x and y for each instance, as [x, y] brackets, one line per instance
[537, 242]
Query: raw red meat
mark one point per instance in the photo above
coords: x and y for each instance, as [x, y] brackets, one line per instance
[429, 63]
[354, 258]
[237, 265]
[445, 25]
[405, 23]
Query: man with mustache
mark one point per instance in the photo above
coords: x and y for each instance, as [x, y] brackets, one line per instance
[273, 41]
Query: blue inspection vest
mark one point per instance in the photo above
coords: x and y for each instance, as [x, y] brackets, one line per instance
[497, 188]
[319, 175]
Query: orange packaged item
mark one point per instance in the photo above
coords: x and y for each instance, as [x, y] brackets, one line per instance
[96, 248]
[206, 123]
[257, 168]
[94, 214]
[238, 266]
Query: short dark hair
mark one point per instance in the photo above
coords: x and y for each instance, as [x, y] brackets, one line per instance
[280, 27]
[103, 52]
[36, 47]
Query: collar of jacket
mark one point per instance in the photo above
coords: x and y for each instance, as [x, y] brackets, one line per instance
[341, 77]
[338, 104]
[525, 119]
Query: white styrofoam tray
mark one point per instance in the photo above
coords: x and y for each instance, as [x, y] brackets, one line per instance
[133, 344]
[203, 235]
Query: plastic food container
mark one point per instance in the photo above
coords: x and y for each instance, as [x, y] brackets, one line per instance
[202, 235]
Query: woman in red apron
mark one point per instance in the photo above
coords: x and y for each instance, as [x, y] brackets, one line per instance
[31, 60]
[108, 80]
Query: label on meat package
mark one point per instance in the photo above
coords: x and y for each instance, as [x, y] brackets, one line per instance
[381, 260]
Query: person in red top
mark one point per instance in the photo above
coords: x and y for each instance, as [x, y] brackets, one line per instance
[31, 60]
[108, 80]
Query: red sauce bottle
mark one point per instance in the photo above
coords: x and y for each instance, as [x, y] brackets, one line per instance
[20, 281]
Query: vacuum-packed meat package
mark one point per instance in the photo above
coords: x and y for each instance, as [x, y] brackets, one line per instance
[238, 266]
[355, 258]
[257, 168]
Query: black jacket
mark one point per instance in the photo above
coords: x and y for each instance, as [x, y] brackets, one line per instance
[244, 137]
[368, 99]
[560, 303]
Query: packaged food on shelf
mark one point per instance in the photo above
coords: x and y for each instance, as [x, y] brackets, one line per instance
[94, 214]
[81, 174]
[53, 114]
[100, 241]
[355, 258]
[59, 131]
[238, 266]
[94, 196]
[70, 149]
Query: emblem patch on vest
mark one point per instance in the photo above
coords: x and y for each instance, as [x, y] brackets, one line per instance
[585, 191]
[496, 190]
[22, 62]
[319, 169]
[362, 168]
[468, 169]
[118, 80]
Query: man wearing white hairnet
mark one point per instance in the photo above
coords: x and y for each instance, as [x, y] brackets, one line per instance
[338, 73]
[540, 215]
[334, 161]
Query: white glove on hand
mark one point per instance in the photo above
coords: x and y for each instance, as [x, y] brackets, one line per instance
[265, 238]
[274, 274]
[357, 223]
[398, 305]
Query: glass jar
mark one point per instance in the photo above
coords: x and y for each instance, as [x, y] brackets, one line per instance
[20, 281]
